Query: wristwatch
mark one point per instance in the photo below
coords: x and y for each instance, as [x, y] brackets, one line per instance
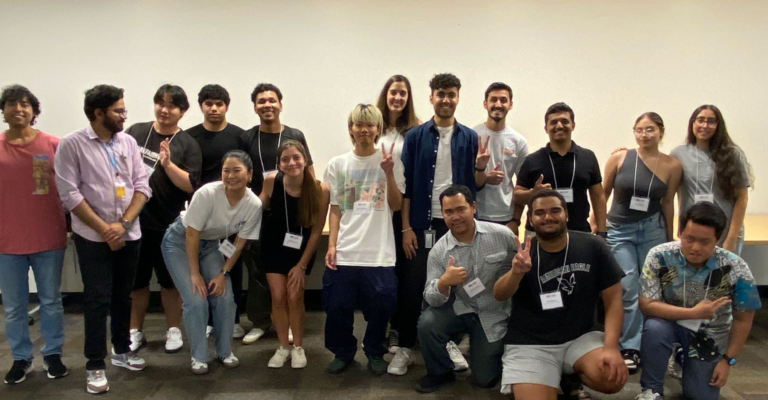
[479, 169]
[731, 361]
[225, 273]
[126, 224]
[603, 235]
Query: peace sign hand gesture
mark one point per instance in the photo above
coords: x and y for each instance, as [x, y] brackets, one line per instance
[387, 164]
[521, 264]
[483, 154]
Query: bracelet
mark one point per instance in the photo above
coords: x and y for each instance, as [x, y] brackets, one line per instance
[603, 235]
[479, 169]
[406, 230]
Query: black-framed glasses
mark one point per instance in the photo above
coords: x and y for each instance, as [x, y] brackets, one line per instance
[706, 121]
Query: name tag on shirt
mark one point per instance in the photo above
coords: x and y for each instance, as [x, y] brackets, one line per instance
[268, 173]
[292, 241]
[120, 190]
[567, 194]
[474, 288]
[639, 203]
[691, 324]
[362, 208]
[704, 197]
[429, 239]
[551, 300]
[227, 248]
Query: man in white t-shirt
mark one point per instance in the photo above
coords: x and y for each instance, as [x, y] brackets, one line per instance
[361, 246]
[507, 149]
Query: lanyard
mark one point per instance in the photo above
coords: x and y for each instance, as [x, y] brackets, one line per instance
[712, 184]
[147, 141]
[111, 155]
[555, 175]
[285, 203]
[653, 174]
[538, 262]
[279, 138]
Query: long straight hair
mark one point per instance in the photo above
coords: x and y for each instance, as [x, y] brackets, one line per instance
[407, 119]
[309, 201]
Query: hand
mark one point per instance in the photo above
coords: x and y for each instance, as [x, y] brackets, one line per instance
[116, 244]
[296, 277]
[514, 227]
[720, 374]
[453, 275]
[483, 154]
[387, 164]
[496, 176]
[612, 360]
[165, 153]
[521, 263]
[330, 258]
[730, 244]
[113, 232]
[539, 186]
[706, 308]
[198, 285]
[410, 244]
[217, 286]
[618, 150]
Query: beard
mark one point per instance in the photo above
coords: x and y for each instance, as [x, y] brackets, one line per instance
[495, 118]
[547, 236]
[112, 125]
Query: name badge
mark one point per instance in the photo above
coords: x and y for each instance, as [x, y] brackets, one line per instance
[362, 208]
[120, 190]
[551, 300]
[149, 169]
[268, 173]
[292, 241]
[474, 288]
[639, 203]
[704, 197]
[691, 324]
[227, 248]
[429, 239]
[567, 194]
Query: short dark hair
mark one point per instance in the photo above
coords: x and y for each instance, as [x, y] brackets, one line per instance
[498, 86]
[453, 190]
[241, 156]
[266, 87]
[17, 93]
[100, 97]
[444, 81]
[213, 92]
[178, 96]
[546, 193]
[707, 214]
[558, 108]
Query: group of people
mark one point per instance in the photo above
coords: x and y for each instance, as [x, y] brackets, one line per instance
[424, 239]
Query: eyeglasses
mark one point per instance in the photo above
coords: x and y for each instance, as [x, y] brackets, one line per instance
[121, 112]
[706, 121]
[649, 130]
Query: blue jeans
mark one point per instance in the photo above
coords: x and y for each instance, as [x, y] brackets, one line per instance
[14, 284]
[194, 307]
[374, 291]
[630, 244]
[658, 337]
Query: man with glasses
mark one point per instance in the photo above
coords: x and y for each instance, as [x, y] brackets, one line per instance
[102, 181]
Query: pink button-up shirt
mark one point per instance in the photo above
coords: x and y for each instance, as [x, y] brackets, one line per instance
[88, 169]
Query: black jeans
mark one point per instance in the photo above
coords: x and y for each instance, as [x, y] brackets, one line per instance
[108, 278]
[259, 305]
[410, 302]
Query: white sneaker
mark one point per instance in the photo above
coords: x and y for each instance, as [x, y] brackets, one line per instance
[239, 332]
[230, 361]
[252, 336]
[459, 362]
[199, 367]
[290, 336]
[97, 382]
[129, 361]
[173, 340]
[137, 340]
[208, 331]
[278, 360]
[298, 358]
[648, 394]
[401, 361]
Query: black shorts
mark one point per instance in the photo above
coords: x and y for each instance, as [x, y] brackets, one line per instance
[151, 259]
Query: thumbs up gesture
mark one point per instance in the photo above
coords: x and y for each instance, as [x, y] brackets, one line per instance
[387, 163]
[483, 154]
[496, 176]
[453, 275]
[539, 186]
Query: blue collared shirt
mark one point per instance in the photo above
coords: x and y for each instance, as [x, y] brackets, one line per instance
[420, 154]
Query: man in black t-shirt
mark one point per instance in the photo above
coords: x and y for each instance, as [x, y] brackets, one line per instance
[261, 143]
[173, 161]
[555, 283]
[566, 167]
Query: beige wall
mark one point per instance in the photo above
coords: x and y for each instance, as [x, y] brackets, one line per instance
[610, 60]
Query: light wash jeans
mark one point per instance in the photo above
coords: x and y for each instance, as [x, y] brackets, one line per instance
[14, 284]
[630, 244]
[195, 308]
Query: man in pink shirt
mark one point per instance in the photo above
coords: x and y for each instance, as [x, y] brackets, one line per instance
[101, 179]
[32, 233]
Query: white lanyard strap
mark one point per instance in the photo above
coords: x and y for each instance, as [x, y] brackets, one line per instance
[653, 174]
[562, 270]
[285, 204]
[712, 184]
[279, 138]
[147, 141]
[573, 176]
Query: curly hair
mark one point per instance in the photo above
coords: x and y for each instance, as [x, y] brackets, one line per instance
[100, 97]
[444, 81]
[266, 87]
[17, 93]
[407, 118]
[213, 92]
[726, 155]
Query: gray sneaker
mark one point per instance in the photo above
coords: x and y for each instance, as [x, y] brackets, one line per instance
[97, 382]
[128, 361]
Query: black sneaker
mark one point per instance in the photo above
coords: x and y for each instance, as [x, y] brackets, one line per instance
[394, 342]
[55, 368]
[631, 359]
[431, 383]
[18, 372]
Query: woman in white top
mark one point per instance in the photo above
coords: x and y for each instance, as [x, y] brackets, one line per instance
[195, 248]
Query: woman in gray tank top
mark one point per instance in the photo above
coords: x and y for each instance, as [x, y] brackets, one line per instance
[643, 182]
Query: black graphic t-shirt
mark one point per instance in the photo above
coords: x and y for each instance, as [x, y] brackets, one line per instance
[589, 269]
